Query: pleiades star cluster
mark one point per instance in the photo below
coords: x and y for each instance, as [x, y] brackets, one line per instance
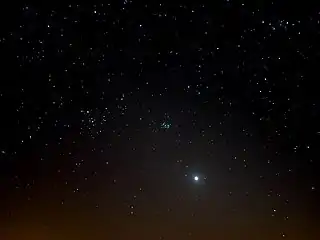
[148, 120]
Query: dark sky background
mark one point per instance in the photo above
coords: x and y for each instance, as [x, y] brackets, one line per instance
[140, 120]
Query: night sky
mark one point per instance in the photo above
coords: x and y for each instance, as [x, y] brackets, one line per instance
[140, 120]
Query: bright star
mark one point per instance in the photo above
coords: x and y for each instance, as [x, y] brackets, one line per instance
[196, 178]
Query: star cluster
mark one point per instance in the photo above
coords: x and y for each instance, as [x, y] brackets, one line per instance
[136, 120]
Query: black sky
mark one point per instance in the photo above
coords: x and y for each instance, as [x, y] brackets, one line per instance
[110, 111]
